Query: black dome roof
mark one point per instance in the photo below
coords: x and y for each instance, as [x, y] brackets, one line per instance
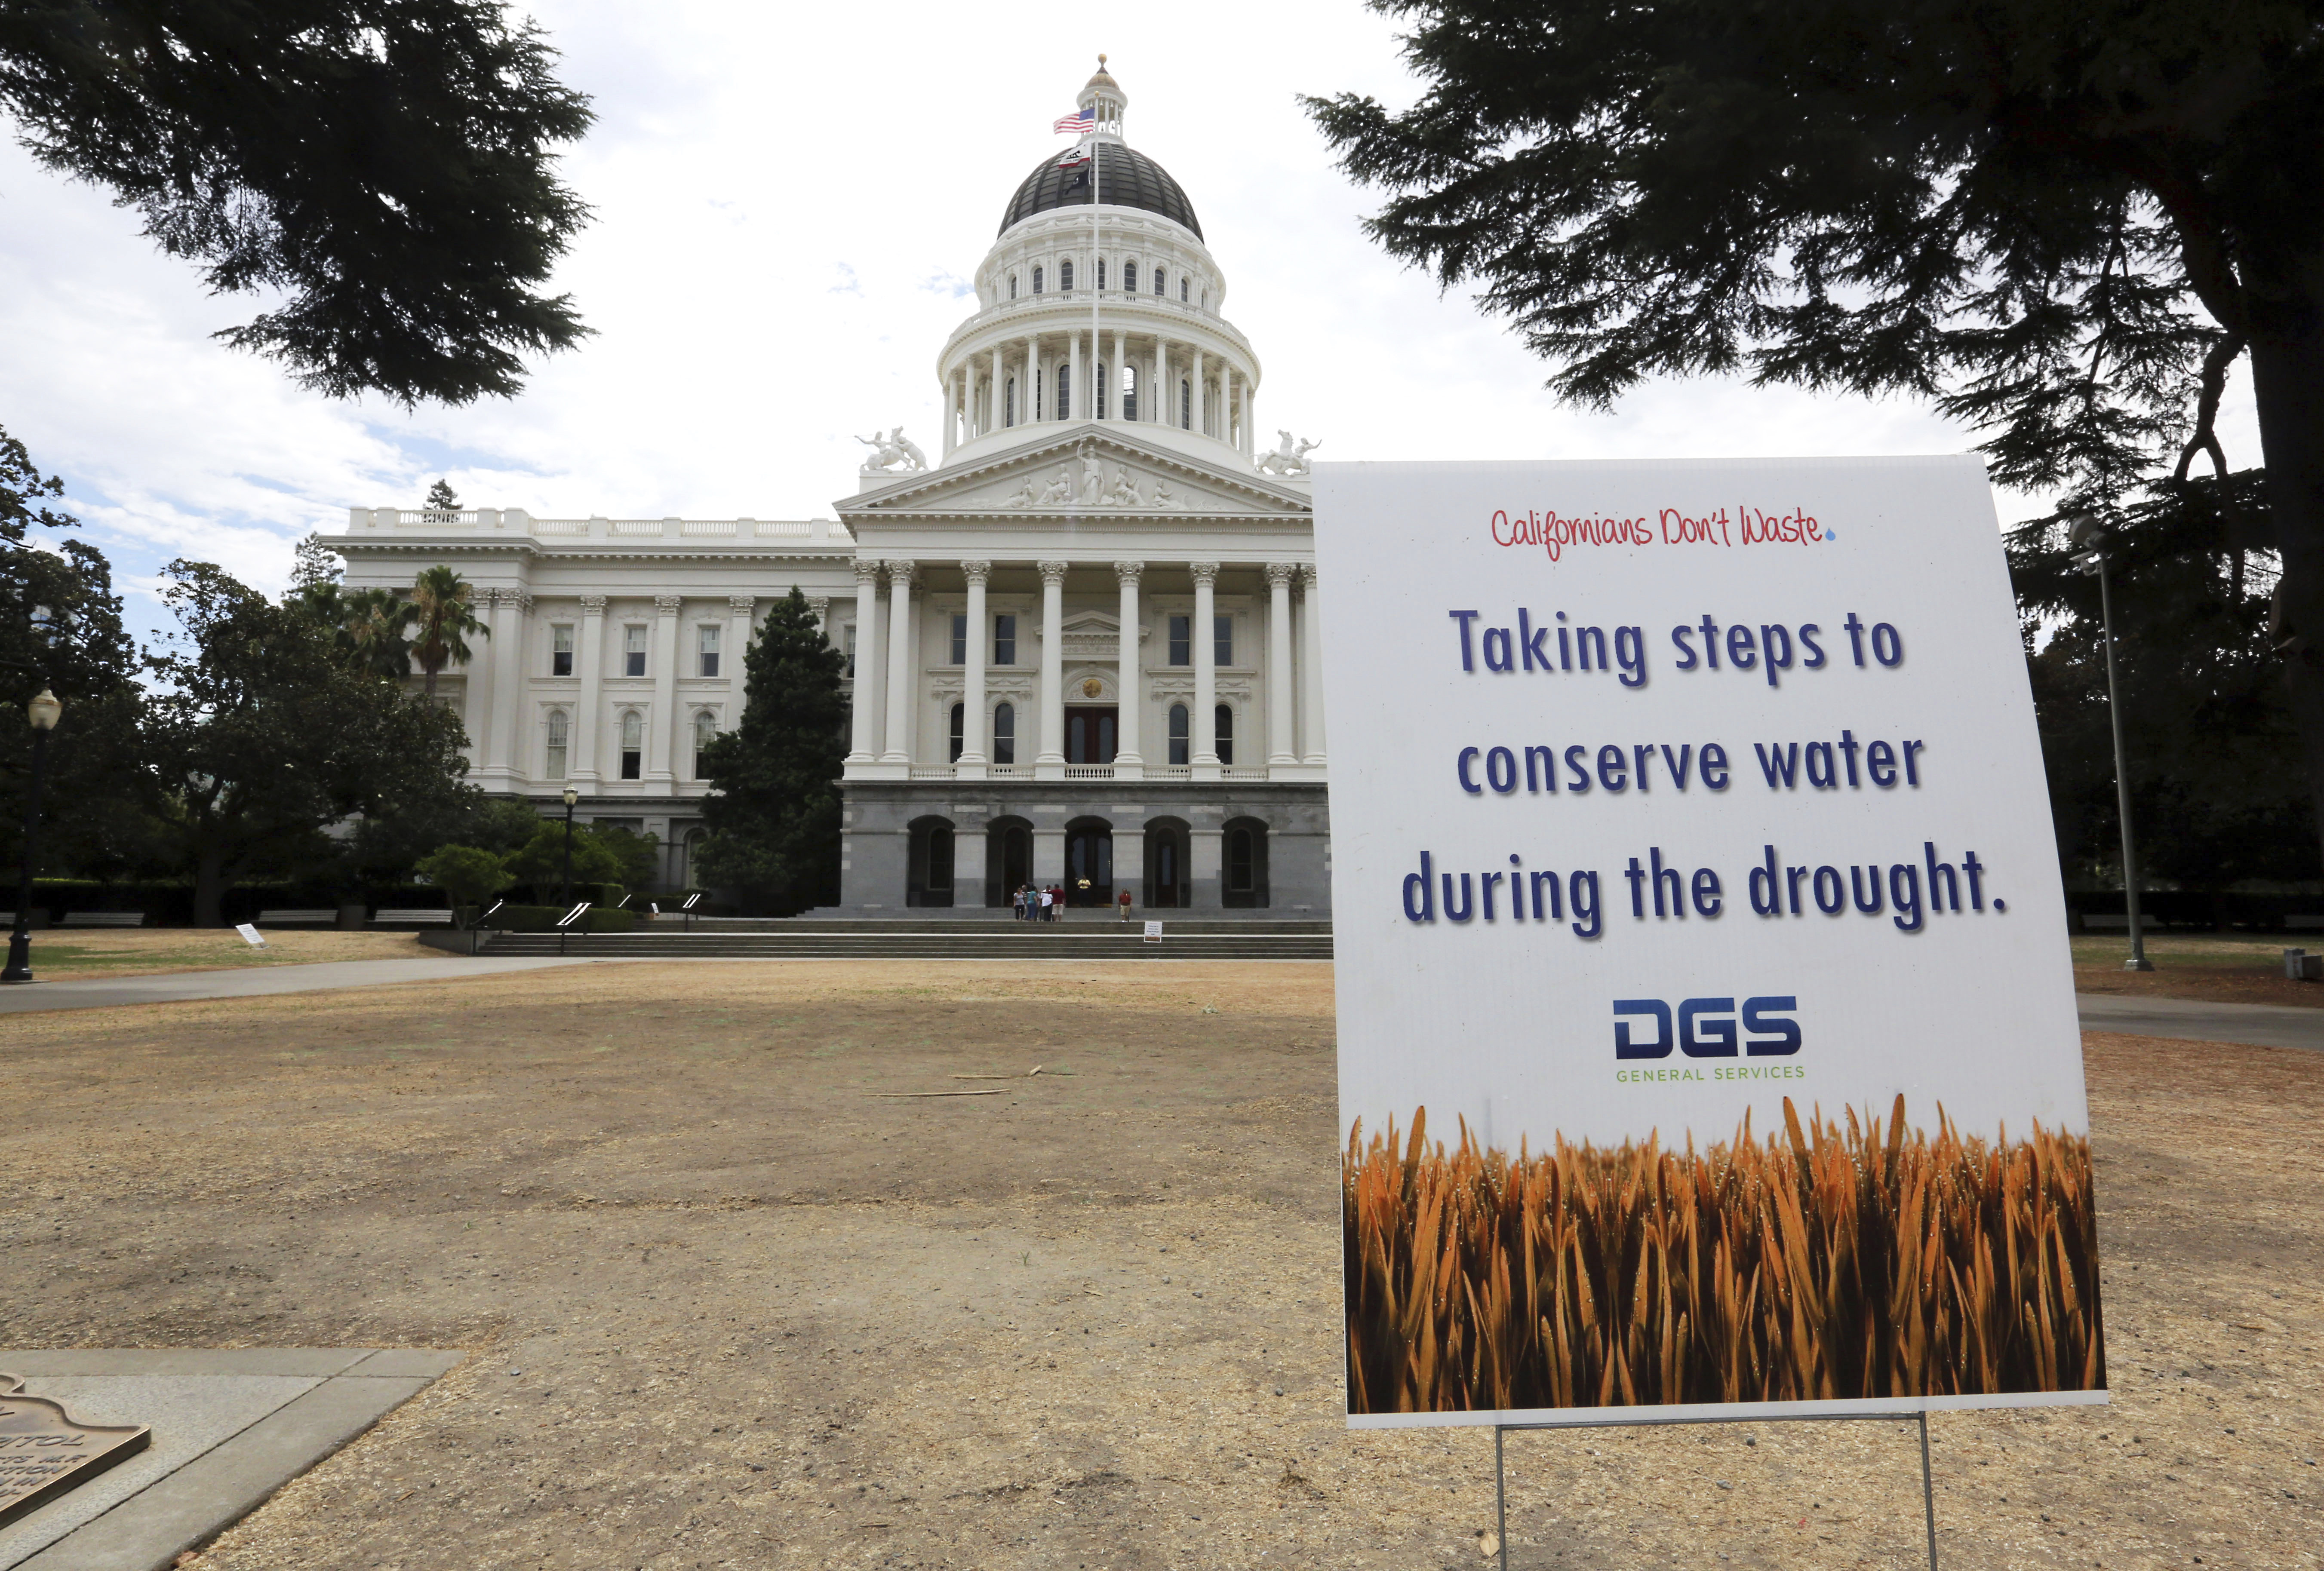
[1130, 179]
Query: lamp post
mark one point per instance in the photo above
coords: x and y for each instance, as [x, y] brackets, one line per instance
[572, 799]
[43, 712]
[2089, 536]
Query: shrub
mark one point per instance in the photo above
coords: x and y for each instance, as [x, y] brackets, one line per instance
[469, 876]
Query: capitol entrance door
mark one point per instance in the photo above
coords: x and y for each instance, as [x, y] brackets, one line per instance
[1090, 734]
[1089, 854]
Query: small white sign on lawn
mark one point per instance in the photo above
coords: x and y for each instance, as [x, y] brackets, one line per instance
[250, 935]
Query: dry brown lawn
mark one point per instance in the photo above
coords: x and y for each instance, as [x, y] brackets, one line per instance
[71, 953]
[737, 1302]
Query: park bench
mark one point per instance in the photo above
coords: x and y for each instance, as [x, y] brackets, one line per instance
[290, 918]
[104, 918]
[439, 917]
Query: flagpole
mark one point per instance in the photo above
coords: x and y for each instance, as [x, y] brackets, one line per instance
[1097, 267]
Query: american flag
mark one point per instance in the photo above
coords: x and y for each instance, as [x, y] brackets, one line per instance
[1079, 119]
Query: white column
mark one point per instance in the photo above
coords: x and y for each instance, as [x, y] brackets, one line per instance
[1206, 670]
[951, 422]
[591, 660]
[1249, 420]
[973, 720]
[1165, 397]
[1311, 667]
[661, 770]
[1120, 360]
[1077, 385]
[1129, 762]
[1202, 394]
[901, 664]
[866, 717]
[1050, 763]
[999, 394]
[730, 667]
[511, 614]
[1280, 744]
[1032, 380]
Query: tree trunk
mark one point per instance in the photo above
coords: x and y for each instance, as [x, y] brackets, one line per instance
[209, 887]
[2287, 351]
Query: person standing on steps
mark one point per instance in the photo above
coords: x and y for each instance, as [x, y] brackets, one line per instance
[1123, 900]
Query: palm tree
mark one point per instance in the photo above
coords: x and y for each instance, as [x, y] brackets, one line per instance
[439, 610]
[371, 623]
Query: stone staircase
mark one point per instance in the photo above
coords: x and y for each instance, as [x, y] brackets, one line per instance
[1090, 936]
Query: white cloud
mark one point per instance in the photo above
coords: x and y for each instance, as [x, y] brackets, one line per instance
[787, 211]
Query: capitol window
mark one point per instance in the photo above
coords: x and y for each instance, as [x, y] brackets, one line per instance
[1005, 640]
[1008, 402]
[1100, 275]
[851, 651]
[1186, 406]
[1099, 382]
[1222, 640]
[706, 732]
[633, 649]
[1222, 722]
[560, 649]
[1183, 287]
[959, 654]
[958, 733]
[1157, 280]
[1128, 277]
[1012, 286]
[1177, 734]
[560, 729]
[1129, 393]
[706, 647]
[1066, 277]
[1036, 279]
[1004, 734]
[633, 743]
[1182, 640]
[1064, 392]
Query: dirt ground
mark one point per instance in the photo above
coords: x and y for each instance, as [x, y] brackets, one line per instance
[69, 954]
[2217, 968]
[740, 1297]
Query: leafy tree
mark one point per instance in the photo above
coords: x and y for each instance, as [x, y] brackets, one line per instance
[773, 809]
[2064, 223]
[2209, 732]
[601, 855]
[441, 497]
[442, 618]
[313, 562]
[381, 170]
[389, 844]
[375, 629]
[256, 739]
[467, 876]
[60, 628]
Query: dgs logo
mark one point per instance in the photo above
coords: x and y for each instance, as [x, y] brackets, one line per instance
[1705, 1027]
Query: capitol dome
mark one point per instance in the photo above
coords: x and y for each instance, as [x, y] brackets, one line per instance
[1126, 177]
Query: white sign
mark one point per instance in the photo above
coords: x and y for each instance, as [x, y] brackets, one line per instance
[250, 935]
[1685, 817]
[1154, 932]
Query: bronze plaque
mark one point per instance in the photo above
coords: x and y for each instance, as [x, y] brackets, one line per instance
[43, 1452]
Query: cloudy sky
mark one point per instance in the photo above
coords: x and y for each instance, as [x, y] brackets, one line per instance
[788, 212]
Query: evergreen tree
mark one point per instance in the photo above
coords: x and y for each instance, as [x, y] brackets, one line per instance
[442, 498]
[313, 562]
[773, 810]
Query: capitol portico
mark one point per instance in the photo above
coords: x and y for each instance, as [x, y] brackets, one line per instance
[1081, 642]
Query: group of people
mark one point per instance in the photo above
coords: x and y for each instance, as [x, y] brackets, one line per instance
[1034, 905]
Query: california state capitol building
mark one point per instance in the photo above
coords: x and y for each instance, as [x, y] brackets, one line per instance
[1082, 641]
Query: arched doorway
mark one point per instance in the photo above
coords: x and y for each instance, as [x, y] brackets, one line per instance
[929, 868]
[1007, 858]
[1089, 861]
[1168, 884]
[1242, 880]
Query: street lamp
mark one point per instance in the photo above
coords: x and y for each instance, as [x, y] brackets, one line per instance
[43, 712]
[572, 799]
[2089, 538]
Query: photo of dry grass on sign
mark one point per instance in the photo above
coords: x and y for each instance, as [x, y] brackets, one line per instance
[1815, 1265]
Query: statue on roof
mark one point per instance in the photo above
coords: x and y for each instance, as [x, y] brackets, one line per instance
[1288, 459]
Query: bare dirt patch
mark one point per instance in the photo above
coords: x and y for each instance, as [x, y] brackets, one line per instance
[735, 1303]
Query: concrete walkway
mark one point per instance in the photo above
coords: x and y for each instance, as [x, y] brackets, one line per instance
[2254, 1024]
[254, 981]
